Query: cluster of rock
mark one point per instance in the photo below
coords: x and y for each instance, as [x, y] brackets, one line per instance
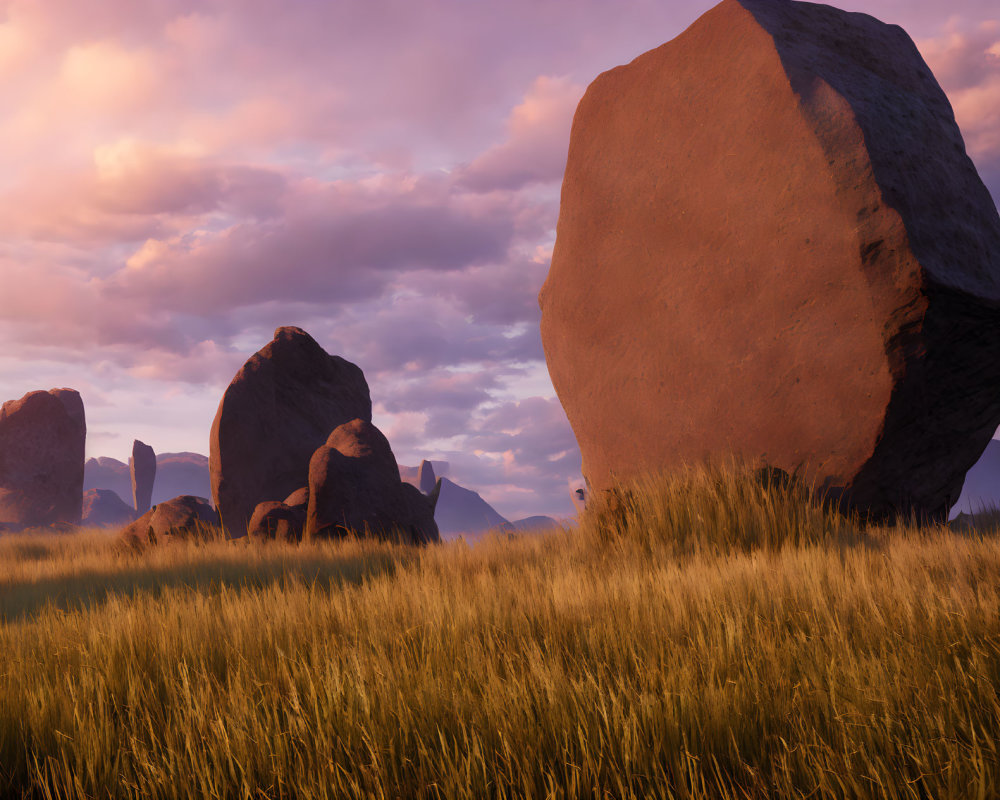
[772, 243]
[293, 452]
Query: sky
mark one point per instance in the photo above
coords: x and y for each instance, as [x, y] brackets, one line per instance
[179, 178]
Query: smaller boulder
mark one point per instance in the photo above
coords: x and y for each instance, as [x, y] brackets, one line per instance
[354, 485]
[300, 497]
[103, 508]
[273, 520]
[184, 517]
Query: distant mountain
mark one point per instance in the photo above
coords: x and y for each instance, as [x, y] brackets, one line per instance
[107, 473]
[176, 474]
[982, 483]
[181, 473]
[537, 523]
[462, 510]
[459, 510]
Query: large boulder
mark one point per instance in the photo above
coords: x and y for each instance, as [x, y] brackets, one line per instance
[772, 243]
[280, 406]
[354, 486]
[42, 441]
[142, 473]
[103, 508]
[184, 517]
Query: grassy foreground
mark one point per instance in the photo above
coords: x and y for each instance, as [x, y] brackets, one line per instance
[704, 636]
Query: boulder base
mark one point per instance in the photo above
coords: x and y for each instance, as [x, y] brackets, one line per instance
[772, 244]
[354, 486]
[274, 520]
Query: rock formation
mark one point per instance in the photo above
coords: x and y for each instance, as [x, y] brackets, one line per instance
[771, 243]
[102, 508]
[274, 520]
[280, 406]
[142, 474]
[182, 517]
[425, 477]
[42, 441]
[354, 485]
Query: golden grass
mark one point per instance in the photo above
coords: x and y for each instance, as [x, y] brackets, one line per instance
[702, 636]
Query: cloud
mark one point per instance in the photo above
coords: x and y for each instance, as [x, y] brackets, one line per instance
[537, 139]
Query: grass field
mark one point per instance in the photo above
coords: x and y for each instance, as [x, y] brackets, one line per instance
[703, 636]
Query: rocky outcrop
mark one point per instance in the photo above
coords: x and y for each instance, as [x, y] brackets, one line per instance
[275, 520]
[102, 508]
[771, 243]
[42, 441]
[426, 479]
[184, 517]
[280, 407]
[354, 486]
[142, 474]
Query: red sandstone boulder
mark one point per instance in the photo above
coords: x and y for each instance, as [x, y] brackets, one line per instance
[278, 409]
[772, 243]
[184, 517]
[142, 472]
[42, 440]
[354, 485]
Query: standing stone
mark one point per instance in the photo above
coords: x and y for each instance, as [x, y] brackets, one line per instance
[280, 406]
[42, 441]
[425, 477]
[772, 243]
[354, 486]
[142, 470]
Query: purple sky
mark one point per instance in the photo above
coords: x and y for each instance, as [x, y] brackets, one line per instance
[181, 177]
